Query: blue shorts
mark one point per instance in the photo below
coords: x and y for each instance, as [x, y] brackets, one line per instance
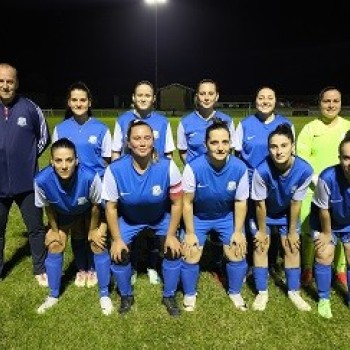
[344, 237]
[282, 230]
[129, 231]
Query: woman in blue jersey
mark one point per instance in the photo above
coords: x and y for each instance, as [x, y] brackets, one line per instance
[143, 191]
[92, 139]
[216, 189]
[191, 143]
[251, 146]
[143, 99]
[279, 185]
[71, 196]
[330, 222]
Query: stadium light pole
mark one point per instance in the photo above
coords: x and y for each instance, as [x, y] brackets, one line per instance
[155, 4]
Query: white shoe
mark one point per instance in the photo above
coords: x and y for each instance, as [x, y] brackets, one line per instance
[42, 280]
[260, 301]
[238, 302]
[80, 279]
[189, 302]
[298, 301]
[91, 279]
[153, 276]
[133, 278]
[106, 305]
[47, 304]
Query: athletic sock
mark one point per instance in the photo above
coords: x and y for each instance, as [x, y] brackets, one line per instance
[171, 276]
[323, 276]
[261, 275]
[236, 271]
[54, 266]
[122, 274]
[293, 277]
[189, 277]
[102, 266]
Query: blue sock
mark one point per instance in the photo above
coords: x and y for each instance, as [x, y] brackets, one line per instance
[236, 271]
[323, 276]
[261, 276]
[189, 277]
[54, 266]
[293, 278]
[171, 276]
[80, 253]
[122, 274]
[103, 265]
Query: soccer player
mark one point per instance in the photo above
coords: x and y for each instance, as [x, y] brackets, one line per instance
[216, 189]
[252, 147]
[92, 139]
[24, 136]
[330, 222]
[191, 143]
[143, 99]
[71, 196]
[279, 185]
[318, 143]
[143, 191]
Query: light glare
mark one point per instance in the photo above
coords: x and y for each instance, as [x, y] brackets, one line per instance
[154, 2]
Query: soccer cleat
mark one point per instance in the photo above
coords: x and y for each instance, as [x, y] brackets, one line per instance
[42, 280]
[47, 304]
[298, 301]
[126, 301]
[324, 308]
[106, 305]
[238, 302]
[171, 306]
[189, 302]
[80, 279]
[341, 278]
[153, 276]
[306, 276]
[91, 279]
[260, 301]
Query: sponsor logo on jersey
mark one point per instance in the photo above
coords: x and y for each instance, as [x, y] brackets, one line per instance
[231, 186]
[92, 139]
[201, 185]
[82, 200]
[22, 121]
[156, 190]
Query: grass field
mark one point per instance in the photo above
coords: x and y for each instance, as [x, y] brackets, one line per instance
[76, 322]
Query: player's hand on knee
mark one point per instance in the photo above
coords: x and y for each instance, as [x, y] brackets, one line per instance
[322, 241]
[174, 245]
[52, 236]
[261, 241]
[293, 241]
[98, 238]
[117, 247]
[191, 250]
[238, 244]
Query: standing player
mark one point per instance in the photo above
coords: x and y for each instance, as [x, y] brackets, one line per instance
[191, 142]
[92, 139]
[143, 100]
[318, 143]
[24, 136]
[278, 187]
[252, 147]
[330, 222]
[71, 196]
[143, 192]
[216, 190]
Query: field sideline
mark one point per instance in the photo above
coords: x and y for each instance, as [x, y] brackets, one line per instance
[77, 322]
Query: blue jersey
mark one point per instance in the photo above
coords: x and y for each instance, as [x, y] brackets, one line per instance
[332, 193]
[84, 189]
[278, 190]
[142, 198]
[215, 191]
[191, 133]
[163, 137]
[251, 138]
[92, 140]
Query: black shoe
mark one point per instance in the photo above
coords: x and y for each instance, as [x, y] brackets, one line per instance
[171, 306]
[126, 302]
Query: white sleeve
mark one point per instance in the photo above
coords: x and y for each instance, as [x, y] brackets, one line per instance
[321, 194]
[95, 190]
[54, 137]
[181, 138]
[117, 138]
[188, 180]
[259, 189]
[232, 134]
[109, 187]
[238, 138]
[174, 173]
[107, 145]
[39, 196]
[169, 140]
[242, 191]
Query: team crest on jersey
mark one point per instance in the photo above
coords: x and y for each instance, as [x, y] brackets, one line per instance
[156, 190]
[22, 121]
[82, 200]
[92, 139]
[156, 134]
[231, 185]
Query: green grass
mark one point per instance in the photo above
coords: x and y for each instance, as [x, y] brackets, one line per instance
[77, 323]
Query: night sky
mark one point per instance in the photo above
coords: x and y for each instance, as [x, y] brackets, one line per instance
[110, 44]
